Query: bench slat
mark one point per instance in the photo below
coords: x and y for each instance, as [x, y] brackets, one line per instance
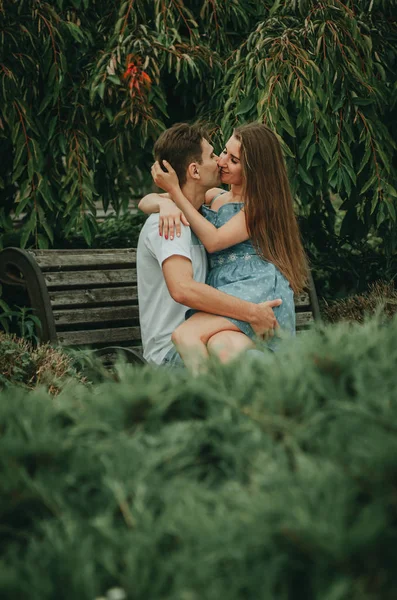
[304, 319]
[96, 315]
[81, 251]
[96, 336]
[302, 299]
[62, 261]
[100, 296]
[84, 278]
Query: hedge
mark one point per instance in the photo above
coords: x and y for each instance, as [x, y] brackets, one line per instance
[271, 478]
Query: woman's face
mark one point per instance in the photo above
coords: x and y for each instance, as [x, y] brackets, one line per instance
[229, 163]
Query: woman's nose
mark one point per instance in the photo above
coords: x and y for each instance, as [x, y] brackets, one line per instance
[221, 160]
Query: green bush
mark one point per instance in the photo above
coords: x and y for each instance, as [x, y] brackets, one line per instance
[260, 480]
[21, 363]
[113, 232]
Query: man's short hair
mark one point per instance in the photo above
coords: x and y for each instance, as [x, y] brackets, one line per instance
[180, 145]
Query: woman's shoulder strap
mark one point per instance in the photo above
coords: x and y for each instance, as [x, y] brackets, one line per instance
[217, 192]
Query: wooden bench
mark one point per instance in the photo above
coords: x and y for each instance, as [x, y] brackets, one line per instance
[88, 298]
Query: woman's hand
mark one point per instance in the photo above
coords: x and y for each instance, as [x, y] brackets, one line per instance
[170, 219]
[167, 181]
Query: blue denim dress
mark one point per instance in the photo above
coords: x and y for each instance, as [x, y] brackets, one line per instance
[239, 271]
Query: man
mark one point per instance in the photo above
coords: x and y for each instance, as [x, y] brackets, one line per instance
[172, 270]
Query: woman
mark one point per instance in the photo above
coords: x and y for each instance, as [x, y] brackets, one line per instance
[251, 235]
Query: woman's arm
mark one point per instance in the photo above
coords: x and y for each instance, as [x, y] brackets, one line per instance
[213, 239]
[151, 202]
[170, 217]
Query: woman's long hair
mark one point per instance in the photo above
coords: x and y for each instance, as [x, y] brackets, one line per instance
[268, 205]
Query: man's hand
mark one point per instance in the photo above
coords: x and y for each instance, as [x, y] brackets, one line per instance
[170, 218]
[167, 181]
[264, 321]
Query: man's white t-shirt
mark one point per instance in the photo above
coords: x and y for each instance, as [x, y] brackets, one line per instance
[159, 314]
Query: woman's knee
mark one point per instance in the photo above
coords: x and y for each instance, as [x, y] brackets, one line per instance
[178, 335]
[185, 335]
[227, 344]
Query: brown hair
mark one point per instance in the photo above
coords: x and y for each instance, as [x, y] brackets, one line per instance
[180, 145]
[268, 204]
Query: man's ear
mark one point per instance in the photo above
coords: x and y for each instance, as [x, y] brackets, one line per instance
[194, 170]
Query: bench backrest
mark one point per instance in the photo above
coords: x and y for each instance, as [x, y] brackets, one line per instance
[89, 297]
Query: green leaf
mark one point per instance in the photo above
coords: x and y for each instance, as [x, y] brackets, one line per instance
[20, 152]
[114, 79]
[275, 7]
[245, 106]
[392, 210]
[325, 149]
[30, 168]
[87, 232]
[364, 160]
[101, 89]
[76, 32]
[363, 101]
[307, 140]
[45, 192]
[45, 102]
[21, 206]
[371, 181]
[305, 176]
[42, 241]
[350, 171]
[346, 180]
[391, 190]
[48, 231]
[288, 128]
[286, 118]
[28, 229]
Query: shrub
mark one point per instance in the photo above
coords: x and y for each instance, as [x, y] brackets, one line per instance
[115, 231]
[23, 364]
[381, 296]
[262, 479]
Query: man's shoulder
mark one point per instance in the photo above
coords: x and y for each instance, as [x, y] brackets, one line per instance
[152, 220]
[151, 241]
[151, 230]
[150, 227]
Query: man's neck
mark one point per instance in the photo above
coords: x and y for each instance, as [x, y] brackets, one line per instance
[194, 193]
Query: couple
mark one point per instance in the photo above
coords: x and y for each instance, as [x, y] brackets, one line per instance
[255, 256]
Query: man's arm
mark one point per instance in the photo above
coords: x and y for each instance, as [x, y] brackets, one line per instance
[178, 275]
[171, 216]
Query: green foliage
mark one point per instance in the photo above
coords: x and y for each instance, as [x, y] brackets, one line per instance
[322, 75]
[21, 363]
[343, 267]
[19, 319]
[272, 479]
[96, 82]
[89, 90]
[115, 232]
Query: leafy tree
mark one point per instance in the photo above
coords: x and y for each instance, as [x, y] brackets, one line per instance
[323, 75]
[86, 85]
[83, 89]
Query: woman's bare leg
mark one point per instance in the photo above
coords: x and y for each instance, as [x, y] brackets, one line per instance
[228, 344]
[192, 336]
